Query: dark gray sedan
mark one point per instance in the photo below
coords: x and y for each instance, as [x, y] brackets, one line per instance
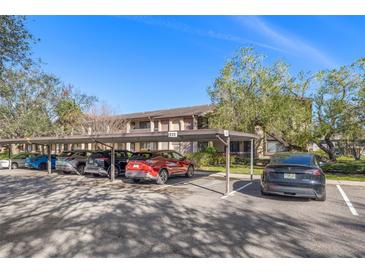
[294, 174]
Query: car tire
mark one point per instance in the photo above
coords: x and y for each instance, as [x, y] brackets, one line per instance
[263, 192]
[162, 177]
[190, 172]
[136, 180]
[14, 166]
[81, 169]
[322, 198]
[116, 172]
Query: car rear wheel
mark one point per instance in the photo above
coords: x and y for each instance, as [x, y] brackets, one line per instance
[14, 165]
[190, 172]
[136, 180]
[81, 169]
[162, 177]
[116, 171]
[43, 166]
[323, 197]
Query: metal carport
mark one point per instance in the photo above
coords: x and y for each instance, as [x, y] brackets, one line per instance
[224, 136]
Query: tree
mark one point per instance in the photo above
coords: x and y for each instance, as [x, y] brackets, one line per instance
[15, 41]
[70, 110]
[26, 102]
[101, 119]
[339, 106]
[249, 94]
[33, 103]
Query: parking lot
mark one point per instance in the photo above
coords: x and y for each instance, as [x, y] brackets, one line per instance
[72, 216]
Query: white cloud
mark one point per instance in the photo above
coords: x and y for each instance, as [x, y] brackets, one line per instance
[286, 41]
[181, 27]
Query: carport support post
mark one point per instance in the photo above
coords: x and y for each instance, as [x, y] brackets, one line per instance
[112, 165]
[10, 147]
[49, 166]
[228, 154]
[251, 161]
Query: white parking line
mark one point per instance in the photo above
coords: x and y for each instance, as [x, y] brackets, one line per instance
[344, 196]
[234, 191]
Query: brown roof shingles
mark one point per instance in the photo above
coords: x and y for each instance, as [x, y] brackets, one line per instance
[167, 113]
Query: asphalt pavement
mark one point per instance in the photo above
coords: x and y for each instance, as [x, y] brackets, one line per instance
[73, 216]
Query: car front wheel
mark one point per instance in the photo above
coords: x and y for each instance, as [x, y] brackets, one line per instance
[162, 177]
[14, 165]
[190, 172]
[81, 169]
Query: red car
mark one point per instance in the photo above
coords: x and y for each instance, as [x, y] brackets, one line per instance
[158, 166]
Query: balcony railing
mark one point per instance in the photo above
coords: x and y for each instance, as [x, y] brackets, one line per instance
[136, 130]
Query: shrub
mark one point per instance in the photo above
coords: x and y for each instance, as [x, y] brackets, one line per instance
[210, 157]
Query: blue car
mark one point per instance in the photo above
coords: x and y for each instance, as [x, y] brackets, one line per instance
[40, 162]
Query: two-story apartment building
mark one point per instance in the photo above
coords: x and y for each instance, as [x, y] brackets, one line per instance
[175, 119]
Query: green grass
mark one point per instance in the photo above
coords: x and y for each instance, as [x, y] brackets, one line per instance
[345, 177]
[237, 169]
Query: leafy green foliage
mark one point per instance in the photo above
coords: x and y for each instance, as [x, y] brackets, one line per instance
[15, 41]
[295, 110]
[249, 94]
[339, 106]
[33, 103]
[345, 166]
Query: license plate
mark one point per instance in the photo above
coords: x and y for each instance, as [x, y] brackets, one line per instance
[135, 166]
[289, 175]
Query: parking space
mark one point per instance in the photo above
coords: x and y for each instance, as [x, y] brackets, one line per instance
[75, 216]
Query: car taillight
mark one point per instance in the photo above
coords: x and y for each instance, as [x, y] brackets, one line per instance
[315, 172]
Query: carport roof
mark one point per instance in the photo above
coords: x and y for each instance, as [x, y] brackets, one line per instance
[182, 136]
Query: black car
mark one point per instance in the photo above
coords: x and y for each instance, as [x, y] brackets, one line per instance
[99, 163]
[294, 174]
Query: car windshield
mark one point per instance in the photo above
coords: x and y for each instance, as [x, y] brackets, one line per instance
[143, 156]
[292, 159]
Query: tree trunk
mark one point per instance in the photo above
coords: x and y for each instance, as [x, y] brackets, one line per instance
[356, 152]
[329, 149]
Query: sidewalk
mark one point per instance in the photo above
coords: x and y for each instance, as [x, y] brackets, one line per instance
[257, 177]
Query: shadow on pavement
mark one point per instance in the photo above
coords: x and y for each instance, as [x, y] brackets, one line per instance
[46, 217]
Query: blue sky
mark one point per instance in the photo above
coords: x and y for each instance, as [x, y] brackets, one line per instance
[139, 63]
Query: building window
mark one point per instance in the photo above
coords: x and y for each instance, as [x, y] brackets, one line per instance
[235, 146]
[188, 124]
[175, 125]
[144, 124]
[156, 126]
[274, 146]
[164, 125]
[148, 145]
